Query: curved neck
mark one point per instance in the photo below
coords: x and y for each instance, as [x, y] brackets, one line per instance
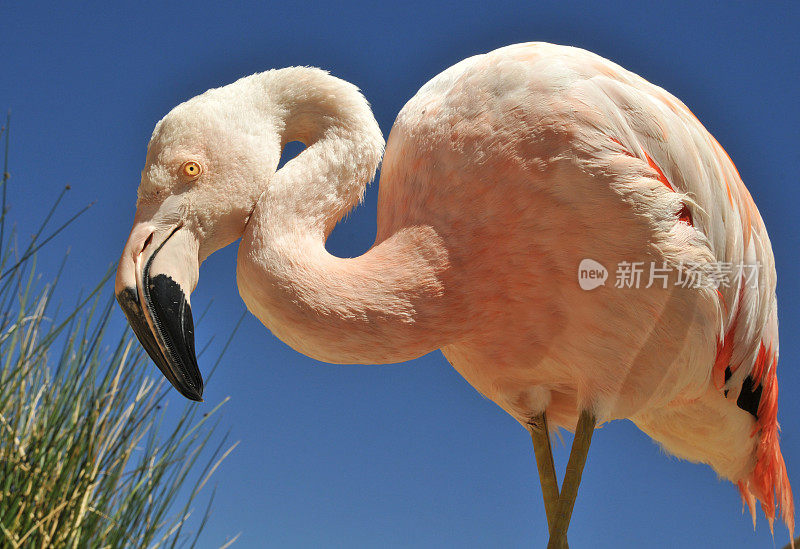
[387, 305]
[344, 146]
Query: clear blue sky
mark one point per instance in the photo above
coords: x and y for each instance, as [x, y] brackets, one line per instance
[407, 455]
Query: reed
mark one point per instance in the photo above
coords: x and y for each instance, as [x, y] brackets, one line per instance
[89, 456]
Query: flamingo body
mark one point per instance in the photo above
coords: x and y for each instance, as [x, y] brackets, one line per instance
[533, 157]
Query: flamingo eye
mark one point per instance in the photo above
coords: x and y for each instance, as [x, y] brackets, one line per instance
[191, 169]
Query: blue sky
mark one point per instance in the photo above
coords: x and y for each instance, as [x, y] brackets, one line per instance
[404, 455]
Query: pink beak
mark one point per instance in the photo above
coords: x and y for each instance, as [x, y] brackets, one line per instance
[156, 274]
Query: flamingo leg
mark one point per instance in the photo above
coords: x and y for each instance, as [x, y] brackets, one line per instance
[540, 433]
[572, 479]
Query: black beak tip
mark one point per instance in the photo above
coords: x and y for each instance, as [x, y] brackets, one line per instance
[174, 316]
[192, 394]
[195, 398]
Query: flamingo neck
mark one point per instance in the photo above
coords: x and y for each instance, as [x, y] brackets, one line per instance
[385, 306]
[344, 145]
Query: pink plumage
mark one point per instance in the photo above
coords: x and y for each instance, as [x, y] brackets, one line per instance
[556, 153]
[502, 176]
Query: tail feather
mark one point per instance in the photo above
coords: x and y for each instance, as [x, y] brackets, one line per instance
[748, 499]
[769, 481]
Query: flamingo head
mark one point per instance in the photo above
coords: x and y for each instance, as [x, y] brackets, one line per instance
[207, 163]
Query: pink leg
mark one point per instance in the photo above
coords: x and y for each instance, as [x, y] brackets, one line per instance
[572, 479]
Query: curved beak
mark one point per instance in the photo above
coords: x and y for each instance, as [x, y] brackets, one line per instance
[156, 274]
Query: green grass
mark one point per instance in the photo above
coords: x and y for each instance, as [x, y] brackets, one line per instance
[88, 455]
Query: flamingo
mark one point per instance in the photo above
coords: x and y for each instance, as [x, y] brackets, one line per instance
[528, 196]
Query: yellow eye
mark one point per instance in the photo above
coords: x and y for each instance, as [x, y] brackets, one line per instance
[191, 169]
